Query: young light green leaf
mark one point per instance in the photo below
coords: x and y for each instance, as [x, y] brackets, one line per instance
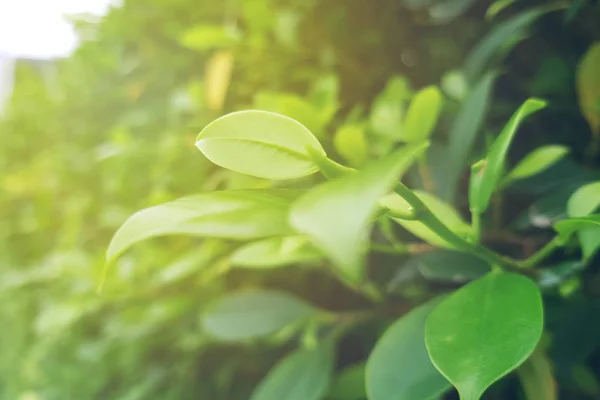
[505, 32]
[387, 110]
[535, 162]
[337, 214]
[567, 227]
[489, 171]
[537, 379]
[443, 211]
[302, 375]
[259, 143]
[249, 315]
[422, 115]
[463, 132]
[399, 367]
[238, 214]
[349, 384]
[205, 37]
[484, 330]
[585, 201]
[275, 252]
[588, 86]
[351, 143]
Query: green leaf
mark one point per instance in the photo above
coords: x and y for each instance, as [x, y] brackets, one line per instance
[567, 227]
[484, 330]
[588, 86]
[387, 109]
[239, 214]
[261, 144]
[496, 7]
[463, 133]
[249, 315]
[488, 172]
[443, 211]
[451, 266]
[206, 37]
[422, 115]
[497, 39]
[449, 9]
[349, 384]
[454, 85]
[302, 375]
[275, 252]
[350, 142]
[537, 379]
[337, 215]
[585, 201]
[399, 367]
[292, 106]
[536, 161]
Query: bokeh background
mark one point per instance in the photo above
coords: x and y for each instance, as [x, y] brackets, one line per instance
[90, 136]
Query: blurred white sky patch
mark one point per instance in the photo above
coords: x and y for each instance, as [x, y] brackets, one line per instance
[39, 29]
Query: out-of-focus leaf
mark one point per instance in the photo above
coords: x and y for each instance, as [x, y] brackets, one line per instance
[585, 201]
[241, 214]
[422, 115]
[443, 211]
[324, 97]
[303, 375]
[463, 132]
[416, 4]
[349, 384]
[350, 143]
[275, 252]
[293, 106]
[217, 78]
[496, 7]
[588, 86]
[454, 85]
[337, 214]
[505, 32]
[259, 143]
[451, 266]
[537, 379]
[567, 227]
[205, 37]
[449, 9]
[249, 315]
[487, 173]
[484, 330]
[387, 109]
[535, 162]
[399, 367]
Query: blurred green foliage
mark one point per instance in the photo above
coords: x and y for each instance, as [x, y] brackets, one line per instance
[86, 141]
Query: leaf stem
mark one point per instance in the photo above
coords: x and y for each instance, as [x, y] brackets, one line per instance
[427, 218]
[543, 253]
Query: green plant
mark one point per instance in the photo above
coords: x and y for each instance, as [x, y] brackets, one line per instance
[473, 336]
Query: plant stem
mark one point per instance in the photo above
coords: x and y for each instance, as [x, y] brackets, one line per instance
[543, 253]
[476, 224]
[427, 218]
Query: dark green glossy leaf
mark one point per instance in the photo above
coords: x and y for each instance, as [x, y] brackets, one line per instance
[259, 143]
[488, 172]
[249, 315]
[399, 367]
[302, 375]
[275, 252]
[484, 330]
[337, 215]
[239, 214]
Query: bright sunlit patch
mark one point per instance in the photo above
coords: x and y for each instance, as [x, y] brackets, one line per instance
[39, 29]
